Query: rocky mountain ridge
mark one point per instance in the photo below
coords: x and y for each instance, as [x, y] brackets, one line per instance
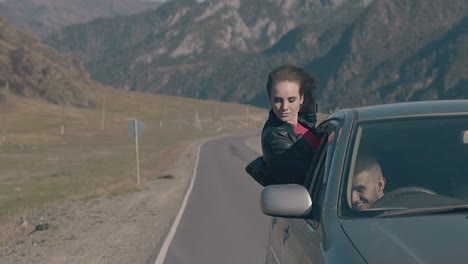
[43, 17]
[363, 52]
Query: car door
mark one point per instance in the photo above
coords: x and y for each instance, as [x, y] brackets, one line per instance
[275, 241]
[279, 229]
[303, 237]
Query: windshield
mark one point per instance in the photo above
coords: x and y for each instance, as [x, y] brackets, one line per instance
[406, 164]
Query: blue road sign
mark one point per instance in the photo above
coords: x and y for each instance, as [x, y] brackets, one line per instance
[140, 128]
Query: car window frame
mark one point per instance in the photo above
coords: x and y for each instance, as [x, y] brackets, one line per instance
[318, 174]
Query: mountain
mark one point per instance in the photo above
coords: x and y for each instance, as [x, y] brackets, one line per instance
[32, 69]
[399, 51]
[169, 46]
[42, 17]
[185, 30]
[363, 52]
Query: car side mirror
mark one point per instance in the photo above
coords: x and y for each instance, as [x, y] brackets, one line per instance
[464, 137]
[286, 200]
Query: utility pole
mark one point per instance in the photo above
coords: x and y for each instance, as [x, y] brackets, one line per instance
[180, 120]
[197, 124]
[137, 108]
[62, 126]
[5, 112]
[103, 113]
[137, 151]
[215, 112]
[247, 116]
[163, 115]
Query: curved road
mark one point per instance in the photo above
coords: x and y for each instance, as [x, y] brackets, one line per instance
[222, 221]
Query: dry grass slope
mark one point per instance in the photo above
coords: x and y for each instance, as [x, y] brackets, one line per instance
[95, 155]
[34, 70]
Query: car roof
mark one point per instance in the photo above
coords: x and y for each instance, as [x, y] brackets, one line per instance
[408, 109]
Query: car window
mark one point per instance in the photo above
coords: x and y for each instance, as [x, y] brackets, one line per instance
[408, 163]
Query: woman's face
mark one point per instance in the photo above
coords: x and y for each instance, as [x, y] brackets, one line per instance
[286, 101]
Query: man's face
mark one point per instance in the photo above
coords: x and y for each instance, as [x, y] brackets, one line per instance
[366, 190]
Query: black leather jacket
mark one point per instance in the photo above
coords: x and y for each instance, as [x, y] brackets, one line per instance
[286, 155]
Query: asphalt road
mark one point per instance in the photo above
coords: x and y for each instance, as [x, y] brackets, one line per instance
[222, 221]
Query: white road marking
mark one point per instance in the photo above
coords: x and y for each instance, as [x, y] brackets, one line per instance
[167, 242]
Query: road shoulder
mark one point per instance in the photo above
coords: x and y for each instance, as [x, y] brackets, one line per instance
[125, 228]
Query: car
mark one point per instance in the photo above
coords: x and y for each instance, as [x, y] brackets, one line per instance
[422, 214]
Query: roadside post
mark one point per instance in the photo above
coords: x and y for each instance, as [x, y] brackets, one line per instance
[136, 129]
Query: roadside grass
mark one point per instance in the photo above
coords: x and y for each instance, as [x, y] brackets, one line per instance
[96, 155]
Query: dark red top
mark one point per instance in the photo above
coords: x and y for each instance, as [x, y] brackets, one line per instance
[311, 138]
